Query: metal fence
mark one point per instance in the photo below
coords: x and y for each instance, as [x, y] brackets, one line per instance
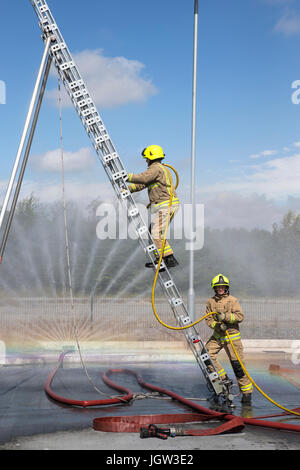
[27, 322]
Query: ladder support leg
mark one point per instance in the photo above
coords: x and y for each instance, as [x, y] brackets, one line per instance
[25, 130]
[25, 159]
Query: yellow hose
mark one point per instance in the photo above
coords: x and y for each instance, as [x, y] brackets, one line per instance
[160, 259]
[177, 176]
[204, 316]
[255, 385]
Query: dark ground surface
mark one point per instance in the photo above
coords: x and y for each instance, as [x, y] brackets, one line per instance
[31, 420]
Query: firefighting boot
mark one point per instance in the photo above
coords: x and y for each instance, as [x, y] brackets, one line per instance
[150, 265]
[246, 399]
[170, 261]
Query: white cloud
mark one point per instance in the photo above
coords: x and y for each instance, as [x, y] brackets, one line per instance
[268, 153]
[277, 178]
[50, 161]
[264, 153]
[112, 81]
[255, 155]
[288, 24]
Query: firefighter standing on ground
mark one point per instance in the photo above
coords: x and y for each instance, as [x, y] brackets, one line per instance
[158, 182]
[229, 315]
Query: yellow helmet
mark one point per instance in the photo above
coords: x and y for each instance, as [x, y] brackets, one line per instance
[220, 280]
[153, 152]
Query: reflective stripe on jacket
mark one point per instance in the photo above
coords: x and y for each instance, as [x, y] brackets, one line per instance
[230, 306]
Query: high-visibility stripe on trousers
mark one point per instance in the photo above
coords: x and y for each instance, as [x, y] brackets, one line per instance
[222, 373]
[215, 345]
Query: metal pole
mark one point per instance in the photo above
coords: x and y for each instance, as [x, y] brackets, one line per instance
[25, 130]
[25, 159]
[191, 293]
[92, 311]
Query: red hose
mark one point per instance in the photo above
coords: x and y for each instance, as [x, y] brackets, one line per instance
[84, 403]
[133, 423]
[195, 406]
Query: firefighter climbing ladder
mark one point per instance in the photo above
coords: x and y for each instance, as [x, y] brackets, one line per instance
[59, 54]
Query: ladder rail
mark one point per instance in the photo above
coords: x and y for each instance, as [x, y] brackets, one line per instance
[117, 175]
[25, 131]
[25, 159]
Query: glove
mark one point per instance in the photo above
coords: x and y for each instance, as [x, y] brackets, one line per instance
[220, 316]
[223, 327]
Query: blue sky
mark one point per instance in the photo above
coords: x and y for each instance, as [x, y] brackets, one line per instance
[137, 60]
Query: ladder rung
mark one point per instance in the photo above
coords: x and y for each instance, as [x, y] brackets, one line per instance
[88, 112]
[150, 248]
[186, 320]
[120, 174]
[85, 102]
[125, 193]
[50, 27]
[102, 138]
[94, 120]
[76, 84]
[195, 339]
[107, 158]
[133, 212]
[66, 65]
[204, 357]
[44, 8]
[176, 302]
[169, 284]
[79, 93]
[142, 230]
[213, 376]
[58, 47]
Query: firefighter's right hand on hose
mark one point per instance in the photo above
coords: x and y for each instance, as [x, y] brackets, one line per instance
[223, 326]
[219, 316]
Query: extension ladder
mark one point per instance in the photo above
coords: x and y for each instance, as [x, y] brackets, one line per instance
[117, 175]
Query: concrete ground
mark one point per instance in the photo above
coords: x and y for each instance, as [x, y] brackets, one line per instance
[88, 439]
[31, 421]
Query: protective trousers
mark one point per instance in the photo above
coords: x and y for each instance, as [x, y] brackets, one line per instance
[214, 346]
[160, 219]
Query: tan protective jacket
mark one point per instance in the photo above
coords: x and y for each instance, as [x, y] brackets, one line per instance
[156, 179]
[233, 316]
